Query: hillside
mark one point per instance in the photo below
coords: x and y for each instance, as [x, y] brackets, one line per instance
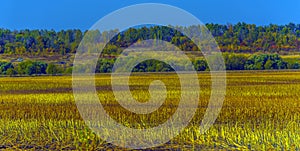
[238, 38]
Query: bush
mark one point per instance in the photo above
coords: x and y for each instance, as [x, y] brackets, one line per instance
[265, 61]
[11, 72]
[200, 65]
[234, 61]
[53, 69]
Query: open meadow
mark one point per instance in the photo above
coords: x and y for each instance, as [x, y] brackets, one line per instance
[261, 111]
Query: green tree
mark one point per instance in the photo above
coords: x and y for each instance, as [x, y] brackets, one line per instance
[269, 64]
[4, 66]
[52, 69]
[11, 72]
[200, 65]
[234, 61]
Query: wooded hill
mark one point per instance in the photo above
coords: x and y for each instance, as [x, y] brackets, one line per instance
[238, 38]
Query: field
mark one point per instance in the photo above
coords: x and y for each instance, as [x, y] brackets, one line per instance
[261, 111]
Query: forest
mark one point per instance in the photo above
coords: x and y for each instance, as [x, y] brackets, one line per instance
[240, 37]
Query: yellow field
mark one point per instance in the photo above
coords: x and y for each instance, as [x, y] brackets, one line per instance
[261, 111]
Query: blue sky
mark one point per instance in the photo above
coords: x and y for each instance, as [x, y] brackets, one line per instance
[82, 14]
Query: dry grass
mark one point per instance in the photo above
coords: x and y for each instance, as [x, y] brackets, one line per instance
[260, 112]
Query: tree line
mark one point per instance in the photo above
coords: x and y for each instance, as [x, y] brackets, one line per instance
[32, 68]
[232, 61]
[104, 65]
[238, 38]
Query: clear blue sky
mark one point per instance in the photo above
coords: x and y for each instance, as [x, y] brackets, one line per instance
[71, 14]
